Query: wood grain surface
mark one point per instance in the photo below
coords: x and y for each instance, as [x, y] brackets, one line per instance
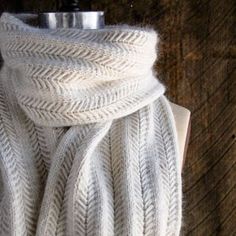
[197, 61]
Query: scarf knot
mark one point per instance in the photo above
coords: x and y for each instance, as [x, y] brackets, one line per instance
[70, 76]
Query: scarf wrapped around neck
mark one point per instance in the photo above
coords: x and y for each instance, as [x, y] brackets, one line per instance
[88, 142]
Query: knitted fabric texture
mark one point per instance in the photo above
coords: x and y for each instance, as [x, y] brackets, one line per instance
[88, 142]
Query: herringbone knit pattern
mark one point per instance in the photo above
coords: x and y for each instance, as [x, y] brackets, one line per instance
[88, 143]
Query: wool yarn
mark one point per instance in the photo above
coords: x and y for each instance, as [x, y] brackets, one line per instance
[88, 142]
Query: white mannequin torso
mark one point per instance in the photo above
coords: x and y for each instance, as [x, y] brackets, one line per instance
[182, 118]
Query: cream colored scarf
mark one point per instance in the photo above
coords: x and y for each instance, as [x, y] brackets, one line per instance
[88, 143]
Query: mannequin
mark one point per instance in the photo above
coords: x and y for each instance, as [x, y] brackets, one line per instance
[70, 15]
[182, 119]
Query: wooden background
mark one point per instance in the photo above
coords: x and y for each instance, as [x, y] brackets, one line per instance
[197, 62]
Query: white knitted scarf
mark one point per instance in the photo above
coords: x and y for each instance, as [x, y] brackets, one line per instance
[88, 142]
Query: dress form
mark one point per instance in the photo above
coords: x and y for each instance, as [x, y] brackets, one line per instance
[70, 15]
[182, 119]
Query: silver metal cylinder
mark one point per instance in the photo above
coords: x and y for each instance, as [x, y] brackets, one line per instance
[79, 19]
